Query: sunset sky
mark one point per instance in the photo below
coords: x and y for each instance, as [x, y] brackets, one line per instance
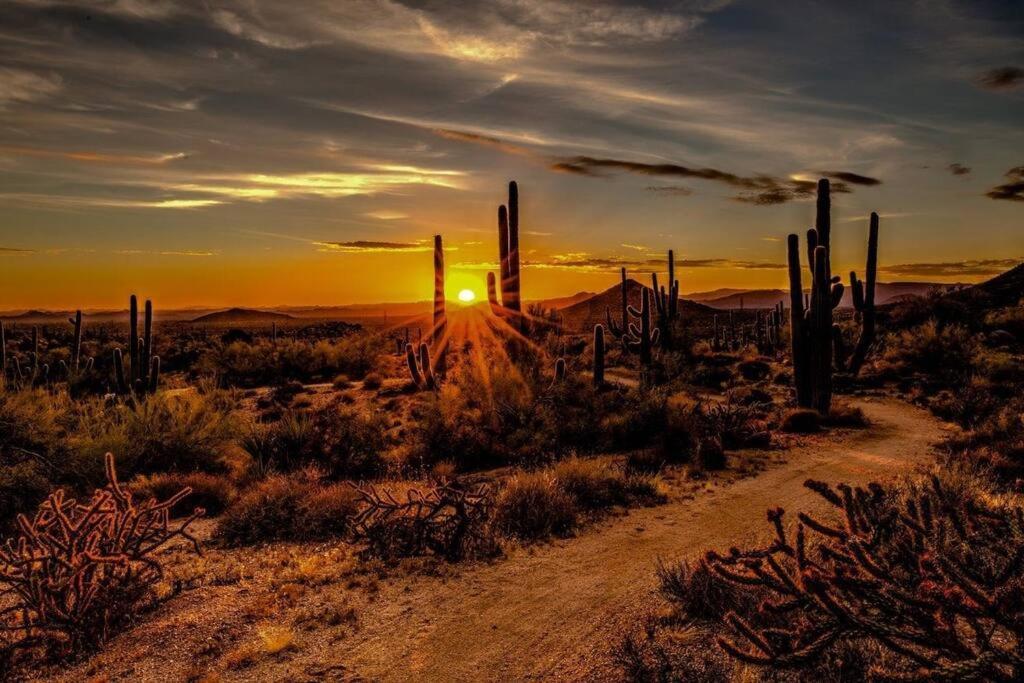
[261, 152]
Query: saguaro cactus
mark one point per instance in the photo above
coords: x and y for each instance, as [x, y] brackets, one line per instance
[508, 251]
[642, 340]
[816, 343]
[440, 319]
[667, 301]
[598, 356]
[419, 369]
[621, 328]
[143, 373]
[76, 344]
[492, 292]
[559, 370]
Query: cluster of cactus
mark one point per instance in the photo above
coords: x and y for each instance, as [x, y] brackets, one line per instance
[422, 373]
[642, 340]
[933, 577]
[813, 334]
[727, 335]
[37, 373]
[76, 370]
[419, 366]
[768, 329]
[142, 376]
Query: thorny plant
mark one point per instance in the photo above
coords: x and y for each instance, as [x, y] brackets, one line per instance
[78, 570]
[934, 578]
[447, 520]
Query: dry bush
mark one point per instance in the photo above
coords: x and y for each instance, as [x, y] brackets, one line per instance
[80, 570]
[447, 520]
[372, 381]
[845, 415]
[211, 492]
[697, 593]
[593, 484]
[532, 506]
[945, 353]
[923, 583]
[801, 421]
[295, 507]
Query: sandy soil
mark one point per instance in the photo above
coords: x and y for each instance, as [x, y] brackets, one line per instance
[543, 613]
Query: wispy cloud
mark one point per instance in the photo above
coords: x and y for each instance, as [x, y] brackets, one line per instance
[670, 190]
[582, 262]
[15, 250]
[966, 268]
[958, 169]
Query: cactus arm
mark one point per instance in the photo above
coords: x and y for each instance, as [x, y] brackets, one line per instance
[513, 246]
[867, 331]
[440, 319]
[821, 334]
[425, 368]
[154, 374]
[492, 292]
[133, 338]
[414, 371]
[798, 340]
[598, 356]
[506, 296]
[146, 346]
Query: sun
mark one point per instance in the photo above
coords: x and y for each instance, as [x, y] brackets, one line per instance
[466, 295]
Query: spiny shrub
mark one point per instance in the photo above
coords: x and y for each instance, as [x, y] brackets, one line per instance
[81, 569]
[293, 507]
[532, 506]
[928, 575]
[946, 354]
[696, 592]
[211, 492]
[845, 415]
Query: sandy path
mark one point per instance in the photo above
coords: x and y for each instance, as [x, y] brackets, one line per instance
[551, 613]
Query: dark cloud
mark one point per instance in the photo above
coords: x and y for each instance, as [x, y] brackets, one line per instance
[670, 190]
[852, 178]
[14, 250]
[485, 140]
[367, 246]
[951, 268]
[1002, 78]
[958, 169]
[584, 262]
[1013, 190]
[762, 190]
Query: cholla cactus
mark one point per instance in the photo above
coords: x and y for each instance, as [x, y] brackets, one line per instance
[933, 576]
[80, 569]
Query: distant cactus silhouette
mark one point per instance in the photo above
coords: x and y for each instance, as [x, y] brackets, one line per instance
[142, 376]
[598, 369]
[621, 328]
[642, 340]
[667, 301]
[439, 341]
[508, 254]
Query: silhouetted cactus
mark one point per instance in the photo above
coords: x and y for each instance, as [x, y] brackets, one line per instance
[864, 300]
[642, 340]
[619, 329]
[598, 368]
[142, 375]
[492, 292]
[508, 253]
[439, 340]
[559, 370]
[419, 368]
[667, 301]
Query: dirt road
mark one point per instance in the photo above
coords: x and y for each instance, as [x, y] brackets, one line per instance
[550, 614]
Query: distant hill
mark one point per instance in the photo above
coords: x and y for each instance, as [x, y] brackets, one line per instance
[583, 315]
[1006, 289]
[242, 315]
[885, 293]
[558, 303]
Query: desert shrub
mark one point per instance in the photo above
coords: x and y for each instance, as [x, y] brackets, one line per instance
[997, 440]
[801, 421]
[682, 429]
[736, 426]
[351, 444]
[593, 484]
[748, 396]
[22, 486]
[532, 506]
[645, 461]
[845, 415]
[447, 520]
[372, 381]
[82, 569]
[710, 455]
[754, 370]
[211, 492]
[921, 581]
[944, 353]
[296, 507]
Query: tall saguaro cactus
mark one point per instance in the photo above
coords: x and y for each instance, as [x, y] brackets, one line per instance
[621, 328]
[598, 356]
[508, 251]
[667, 301]
[440, 319]
[492, 292]
[816, 342]
[143, 373]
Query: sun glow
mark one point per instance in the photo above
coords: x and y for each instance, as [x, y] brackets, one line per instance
[466, 296]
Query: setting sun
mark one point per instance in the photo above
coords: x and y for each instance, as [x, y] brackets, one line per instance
[466, 296]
